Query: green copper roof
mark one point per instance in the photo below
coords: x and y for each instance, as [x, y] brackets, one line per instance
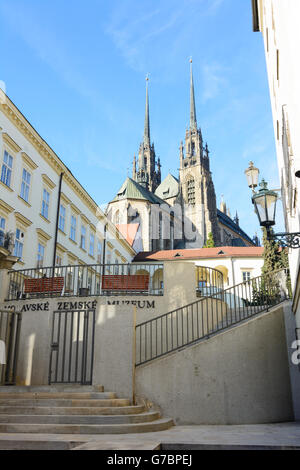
[168, 188]
[133, 190]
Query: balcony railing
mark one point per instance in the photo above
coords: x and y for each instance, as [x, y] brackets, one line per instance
[86, 280]
[209, 281]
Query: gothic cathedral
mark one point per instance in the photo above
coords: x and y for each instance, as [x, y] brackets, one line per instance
[176, 212]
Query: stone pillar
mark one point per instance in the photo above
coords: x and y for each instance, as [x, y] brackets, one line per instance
[4, 284]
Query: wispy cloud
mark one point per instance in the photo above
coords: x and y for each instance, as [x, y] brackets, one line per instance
[214, 79]
[161, 30]
[45, 43]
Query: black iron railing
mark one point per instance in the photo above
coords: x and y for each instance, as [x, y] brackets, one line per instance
[86, 280]
[209, 315]
[209, 281]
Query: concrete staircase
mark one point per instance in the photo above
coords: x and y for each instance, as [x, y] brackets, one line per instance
[63, 409]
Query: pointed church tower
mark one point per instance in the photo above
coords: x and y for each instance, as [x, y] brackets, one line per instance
[196, 185]
[149, 171]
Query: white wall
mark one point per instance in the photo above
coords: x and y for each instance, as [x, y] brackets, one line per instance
[85, 208]
[279, 24]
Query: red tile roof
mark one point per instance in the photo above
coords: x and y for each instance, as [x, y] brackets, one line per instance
[195, 253]
[128, 231]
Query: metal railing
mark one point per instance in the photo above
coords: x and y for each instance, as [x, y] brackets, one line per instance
[10, 323]
[86, 280]
[209, 281]
[209, 315]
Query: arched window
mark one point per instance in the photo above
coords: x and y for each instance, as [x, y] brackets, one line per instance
[191, 191]
[193, 148]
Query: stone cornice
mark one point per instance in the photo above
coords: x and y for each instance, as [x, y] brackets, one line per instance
[42, 235]
[10, 142]
[6, 208]
[75, 209]
[48, 181]
[28, 161]
[61, 248]
[22, 220]
[65, 198]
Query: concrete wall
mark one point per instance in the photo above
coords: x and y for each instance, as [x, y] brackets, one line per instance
[239, 376]
[113, 330]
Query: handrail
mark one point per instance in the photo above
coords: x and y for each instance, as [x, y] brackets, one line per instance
[200, 319]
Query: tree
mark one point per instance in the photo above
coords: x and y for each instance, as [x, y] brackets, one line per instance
[274, 257]
[266, 289]
[210, 241]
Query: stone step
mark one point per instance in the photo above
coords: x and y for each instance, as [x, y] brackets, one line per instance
[56, 388]
[35, 444]
[77, 420]
[44, 410]
[65, 402]
[59, 395]
[153, 426]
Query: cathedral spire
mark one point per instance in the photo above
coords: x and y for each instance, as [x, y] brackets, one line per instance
[147, 121]
[193, 120]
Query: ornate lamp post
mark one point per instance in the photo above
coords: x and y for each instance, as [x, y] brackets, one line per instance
[264, 202]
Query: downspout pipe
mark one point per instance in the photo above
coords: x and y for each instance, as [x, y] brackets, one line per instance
[57, 218]
[104, 249]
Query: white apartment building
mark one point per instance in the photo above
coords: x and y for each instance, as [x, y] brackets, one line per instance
[278, 21]
[52, 217]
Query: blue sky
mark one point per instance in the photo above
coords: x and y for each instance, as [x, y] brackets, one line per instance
[77, 71]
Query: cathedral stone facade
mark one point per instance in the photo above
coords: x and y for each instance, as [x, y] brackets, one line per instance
[178, 212]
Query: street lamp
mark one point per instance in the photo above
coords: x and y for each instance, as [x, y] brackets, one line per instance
[265, 205]
[252, 176]
[264, 202]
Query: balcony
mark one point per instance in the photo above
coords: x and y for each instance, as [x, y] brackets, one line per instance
[209, 281]
[86, 280]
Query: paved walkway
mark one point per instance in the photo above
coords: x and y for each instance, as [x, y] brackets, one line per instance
[283, 435]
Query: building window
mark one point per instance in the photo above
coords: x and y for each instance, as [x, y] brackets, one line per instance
[83, 237]
[25, 186]
[18, 251]
[246, 276]
[99, 252]
[73, 228]
[62, 218]
[108, 261]
[40, 255]
[6, 169]
[58, 260]
[2, 230]
[45, 204]
[193, 148]
[92, 244]
[116, 267]
[191, 191]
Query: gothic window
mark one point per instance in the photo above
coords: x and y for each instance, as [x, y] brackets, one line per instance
[193, 148]
[191, 191]
[117, 217]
